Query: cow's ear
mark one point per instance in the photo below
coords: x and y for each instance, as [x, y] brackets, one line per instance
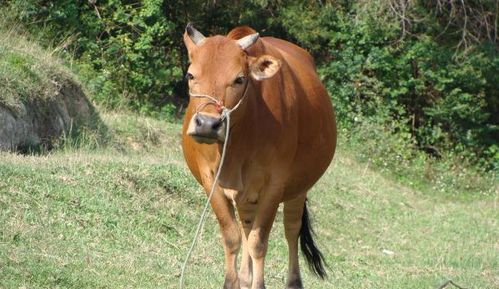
[264, 67]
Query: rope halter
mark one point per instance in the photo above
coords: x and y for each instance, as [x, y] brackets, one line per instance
[221, 108]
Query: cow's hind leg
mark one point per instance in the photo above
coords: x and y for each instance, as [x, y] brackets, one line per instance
[293, 211]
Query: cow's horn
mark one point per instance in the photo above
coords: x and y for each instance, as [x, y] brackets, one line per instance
[195, 35]
[247, 41]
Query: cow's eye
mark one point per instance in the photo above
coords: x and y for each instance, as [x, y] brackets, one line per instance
[189, 76]
[240, 80]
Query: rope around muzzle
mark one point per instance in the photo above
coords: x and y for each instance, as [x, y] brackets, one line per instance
[225, 116]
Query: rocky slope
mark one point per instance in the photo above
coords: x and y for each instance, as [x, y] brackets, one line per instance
[41, 122]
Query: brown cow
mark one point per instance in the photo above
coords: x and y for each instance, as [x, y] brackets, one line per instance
[282, 139]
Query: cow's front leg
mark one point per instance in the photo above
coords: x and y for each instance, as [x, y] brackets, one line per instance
[247, 216]
[257, 242]
[231, 237]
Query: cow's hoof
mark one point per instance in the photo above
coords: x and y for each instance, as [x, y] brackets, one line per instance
[295, 284]
[231, 284]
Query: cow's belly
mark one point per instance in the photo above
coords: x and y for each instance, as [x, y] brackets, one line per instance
[311, 161]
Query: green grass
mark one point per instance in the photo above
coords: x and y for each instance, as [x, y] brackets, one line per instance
[123, 216]
[27, 72]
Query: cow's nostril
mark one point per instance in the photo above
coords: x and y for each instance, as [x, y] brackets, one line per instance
[198, 121]
[216, 125]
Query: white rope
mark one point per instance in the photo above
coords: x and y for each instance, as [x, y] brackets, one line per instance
[225, 116]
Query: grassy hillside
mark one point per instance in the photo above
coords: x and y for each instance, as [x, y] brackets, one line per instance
[27, 71]
[123, 216]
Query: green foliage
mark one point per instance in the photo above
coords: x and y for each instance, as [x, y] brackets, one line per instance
[124, 49]
[445, 100]
[424, 74]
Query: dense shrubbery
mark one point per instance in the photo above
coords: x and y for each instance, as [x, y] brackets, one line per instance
[424, 71]
[408, 78]
[123, 49]
[128, 53]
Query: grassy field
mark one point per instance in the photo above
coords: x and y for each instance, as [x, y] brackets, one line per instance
[123, 216]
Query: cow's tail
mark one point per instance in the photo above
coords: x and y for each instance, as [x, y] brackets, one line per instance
[314, 257]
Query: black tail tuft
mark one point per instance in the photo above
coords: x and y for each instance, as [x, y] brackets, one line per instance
[314, 257]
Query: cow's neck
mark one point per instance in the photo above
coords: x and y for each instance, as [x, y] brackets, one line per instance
[240, 145]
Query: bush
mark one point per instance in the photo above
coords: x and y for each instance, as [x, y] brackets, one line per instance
[124, 49]
[418, 68]
[375, 68]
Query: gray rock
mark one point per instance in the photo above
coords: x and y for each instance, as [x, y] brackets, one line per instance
[43, 122]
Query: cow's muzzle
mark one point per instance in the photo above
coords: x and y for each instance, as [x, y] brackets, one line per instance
[205, 128]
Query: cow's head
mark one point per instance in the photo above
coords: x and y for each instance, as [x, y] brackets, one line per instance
[220, 75]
